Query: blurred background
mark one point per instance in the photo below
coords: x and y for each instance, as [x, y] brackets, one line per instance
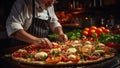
[74, 14]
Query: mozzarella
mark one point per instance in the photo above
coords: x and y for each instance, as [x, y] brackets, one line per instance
[101, 44]
[87, 42]
[76, 41]
[88, 46]
[71, 56]
[41, 55]
[22, 50]
[99, 51]
[71, 50]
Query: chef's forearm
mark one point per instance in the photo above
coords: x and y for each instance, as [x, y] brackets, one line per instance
[24, 36]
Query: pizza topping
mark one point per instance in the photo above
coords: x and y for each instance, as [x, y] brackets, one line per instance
[74, 58]
[71, 56]
[76, 41]
[22, 50]
[64, 57]
[100, 51]
[87, 42]
[101, 44]
[19, 54]
[55, 45]
[29, 56]
[33, 52]
[93, 57]
[41, 55]
[76, 45]
[71, 50]
[44, 50]
[53, 60]
[86, 48]
[55, 50]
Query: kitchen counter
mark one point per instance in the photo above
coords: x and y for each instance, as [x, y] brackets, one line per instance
[6, 61]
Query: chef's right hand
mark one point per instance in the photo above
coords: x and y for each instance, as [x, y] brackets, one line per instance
[43, 43]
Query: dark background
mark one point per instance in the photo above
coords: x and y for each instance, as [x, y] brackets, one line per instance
[64, 5]
[5, 6]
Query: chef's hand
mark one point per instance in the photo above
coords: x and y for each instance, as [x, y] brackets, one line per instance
[63, 37]
[43, 43]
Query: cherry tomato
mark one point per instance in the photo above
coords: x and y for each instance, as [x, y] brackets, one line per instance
[99, 31]
[107, 31]
[85, 33]
[93, 27]
[91, 31]
[102, 27]
[86, 29]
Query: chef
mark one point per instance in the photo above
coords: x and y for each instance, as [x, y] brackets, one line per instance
[30, 22]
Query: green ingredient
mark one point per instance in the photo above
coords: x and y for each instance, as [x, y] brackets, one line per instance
[104, 38]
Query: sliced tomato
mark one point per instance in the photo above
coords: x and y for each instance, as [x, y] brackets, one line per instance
[19, 54]
[31, 47]
[55, 45]
[93, 57]
[68, 43]
[64, 58]
[53, 59]
[45, 50]
[33, 52]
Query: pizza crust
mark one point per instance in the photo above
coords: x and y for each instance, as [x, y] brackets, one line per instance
[28, 61]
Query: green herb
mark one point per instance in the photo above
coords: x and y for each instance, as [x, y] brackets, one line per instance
[55, 53]
[29, 55]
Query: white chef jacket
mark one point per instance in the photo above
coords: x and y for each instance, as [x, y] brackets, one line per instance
[21, 18]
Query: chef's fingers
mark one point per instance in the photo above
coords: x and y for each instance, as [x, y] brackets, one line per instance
[45, 43]
[40, 42]
[63, 38]
[48, 43]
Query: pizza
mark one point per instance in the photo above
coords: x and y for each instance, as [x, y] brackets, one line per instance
[70, 52]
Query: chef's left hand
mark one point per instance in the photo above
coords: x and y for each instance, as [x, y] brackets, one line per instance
[62, 37]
